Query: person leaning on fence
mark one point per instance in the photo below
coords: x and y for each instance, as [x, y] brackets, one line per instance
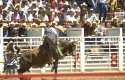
[114, 23]
[51, 39]
[11, 50]
[122, 25]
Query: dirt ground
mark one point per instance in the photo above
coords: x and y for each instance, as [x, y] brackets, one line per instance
[76, 78]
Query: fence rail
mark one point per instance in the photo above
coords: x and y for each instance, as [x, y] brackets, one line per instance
[95, 53]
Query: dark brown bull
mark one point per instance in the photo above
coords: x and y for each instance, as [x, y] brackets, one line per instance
[40, 56]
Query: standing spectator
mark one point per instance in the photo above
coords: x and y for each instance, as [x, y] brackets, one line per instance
[91, 4]
[112, 5]
[92, 28]
[122, 25]
[102, 9]
[84, 12]
[86, 27]
[114, 23]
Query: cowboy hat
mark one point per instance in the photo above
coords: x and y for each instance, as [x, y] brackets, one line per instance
[83, 4]
[5, 25]
[12, 23]
[123, 20]
[97, 21]
[42, 25]
[60, 28]
[75, 22]
[115, 18]
[34, 25]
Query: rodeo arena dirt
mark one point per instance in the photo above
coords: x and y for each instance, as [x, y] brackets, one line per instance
[68, 76]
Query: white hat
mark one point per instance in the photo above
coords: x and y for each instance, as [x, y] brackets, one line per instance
[61, 28]
[5, 24]
[123, 20]
[34, 2]
[12, 23]
[34, 25]
[83, 4]
[42, 24]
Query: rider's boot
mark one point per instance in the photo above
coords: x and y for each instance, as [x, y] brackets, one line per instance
[51, 60]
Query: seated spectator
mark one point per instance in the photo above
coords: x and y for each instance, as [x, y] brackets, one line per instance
[22, 30]
[118, 10]
[56, 18]
[1, 3]
[24, 6]
[71, 16]
[75, 7]
[34, 6]
[66, 24]
[42, 25]
[51, 15]
[77, 15]
[6, 16]
[1, 16]
[91, 15]
[42, 16]
[11, 32]
[34, 25]
[29, 16]
[15, 16]
[75, 24]
[5, 29]
[114, 23]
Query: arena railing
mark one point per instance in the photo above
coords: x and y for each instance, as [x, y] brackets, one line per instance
[96, 53]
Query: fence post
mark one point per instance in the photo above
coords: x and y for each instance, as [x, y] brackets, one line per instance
[82, 50]
[1, 50]
[121, 51]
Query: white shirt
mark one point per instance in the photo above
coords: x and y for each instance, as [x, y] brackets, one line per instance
[1, 17]
[1, 2]
[103, 1]
[52, 33]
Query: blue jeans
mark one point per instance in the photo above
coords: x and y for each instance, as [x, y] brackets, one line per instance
[102, 11]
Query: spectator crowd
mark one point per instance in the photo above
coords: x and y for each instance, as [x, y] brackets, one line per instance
[20, 15]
